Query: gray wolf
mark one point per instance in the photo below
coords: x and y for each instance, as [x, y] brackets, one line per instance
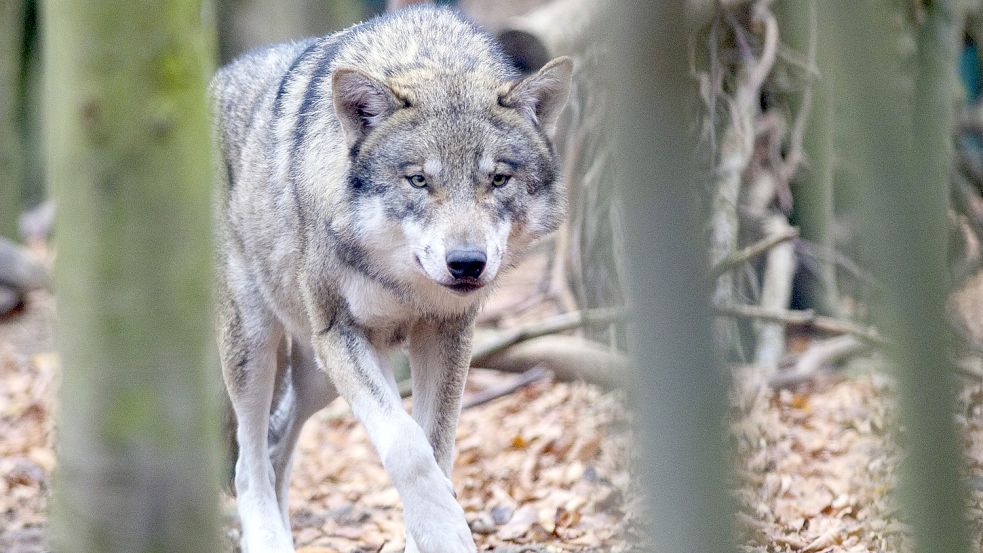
[376, 183]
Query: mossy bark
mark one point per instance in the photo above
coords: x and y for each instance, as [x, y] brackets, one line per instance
[128, 152]
[895, 107]
[11, 148]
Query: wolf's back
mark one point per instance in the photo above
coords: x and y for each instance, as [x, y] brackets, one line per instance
[238, 91]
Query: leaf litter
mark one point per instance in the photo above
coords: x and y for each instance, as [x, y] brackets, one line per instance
[545, 469]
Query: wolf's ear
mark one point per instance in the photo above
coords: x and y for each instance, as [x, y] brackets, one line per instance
[360, 102]
[541, 97]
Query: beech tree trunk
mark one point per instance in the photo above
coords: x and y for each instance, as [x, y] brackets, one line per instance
[11, 148]
[807, 30]
[678, 390]
[248, 24]
[128, 148]
[895, 109]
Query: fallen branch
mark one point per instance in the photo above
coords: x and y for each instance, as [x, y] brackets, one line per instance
[531, 376]
[17, 271]
[820, 355]
[570, 358]
[754, 250]
[9, 299]
[490, 346]
[806, 318]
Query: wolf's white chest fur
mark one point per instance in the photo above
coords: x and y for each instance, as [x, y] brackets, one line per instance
[372, 305]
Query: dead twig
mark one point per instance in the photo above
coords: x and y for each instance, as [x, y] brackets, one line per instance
[531, 376]
[754, 250]
[805, 318]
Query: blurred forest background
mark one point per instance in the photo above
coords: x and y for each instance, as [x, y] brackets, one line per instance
[776, 210]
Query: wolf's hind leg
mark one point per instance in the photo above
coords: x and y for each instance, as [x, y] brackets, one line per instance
[248, 340]
[307, 390]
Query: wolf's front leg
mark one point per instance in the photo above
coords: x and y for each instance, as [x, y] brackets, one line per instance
[439, 358]
[434, 519]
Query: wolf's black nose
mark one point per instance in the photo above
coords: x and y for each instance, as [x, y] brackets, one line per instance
[466, 263]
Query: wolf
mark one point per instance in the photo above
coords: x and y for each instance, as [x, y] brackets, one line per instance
[375, 183]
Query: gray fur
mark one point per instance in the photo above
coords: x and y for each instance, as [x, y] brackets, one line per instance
[327, 245]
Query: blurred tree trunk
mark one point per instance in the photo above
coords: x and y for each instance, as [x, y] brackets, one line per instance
[808, 33]
[11, 149]
[129, 151]
[248, 24]
[393, 5]
[679, 390]
[895, 111]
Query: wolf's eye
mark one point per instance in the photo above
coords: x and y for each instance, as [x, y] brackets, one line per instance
[501, 180]
[417, 181]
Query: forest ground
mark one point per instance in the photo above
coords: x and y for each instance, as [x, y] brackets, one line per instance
[544, 469]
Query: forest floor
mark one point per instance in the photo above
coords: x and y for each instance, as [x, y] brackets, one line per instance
[544, 469]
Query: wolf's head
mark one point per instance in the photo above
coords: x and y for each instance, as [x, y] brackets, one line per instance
[452, 174]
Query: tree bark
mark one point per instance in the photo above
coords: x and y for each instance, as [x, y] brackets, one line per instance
[248, 24]
[11, 148]
[678, 391]
[809, 36]
[895, 110]
[393, 5]
[128, 146]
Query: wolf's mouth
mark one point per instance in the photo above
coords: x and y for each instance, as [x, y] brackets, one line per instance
[465, 286]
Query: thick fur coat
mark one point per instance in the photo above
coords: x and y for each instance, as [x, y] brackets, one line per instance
[376, 183]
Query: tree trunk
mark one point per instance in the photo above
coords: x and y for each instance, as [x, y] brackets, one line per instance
[895, 111]
[393, 5]
[128, 146]
[678, 391]
[808, 33]
[11, 149]
[248, 24]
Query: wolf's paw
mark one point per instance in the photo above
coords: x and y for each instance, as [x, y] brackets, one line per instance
[440, 538]
[267, 543]
[437, 525]
[262, 528]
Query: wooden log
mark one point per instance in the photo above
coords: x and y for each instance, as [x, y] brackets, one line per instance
[568, 357]
[19, 272]
[9, 299]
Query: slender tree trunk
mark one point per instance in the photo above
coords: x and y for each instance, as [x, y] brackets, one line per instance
[897, 135]
[11, 149]
[128, 147]
[809, 33]
[678, 390]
